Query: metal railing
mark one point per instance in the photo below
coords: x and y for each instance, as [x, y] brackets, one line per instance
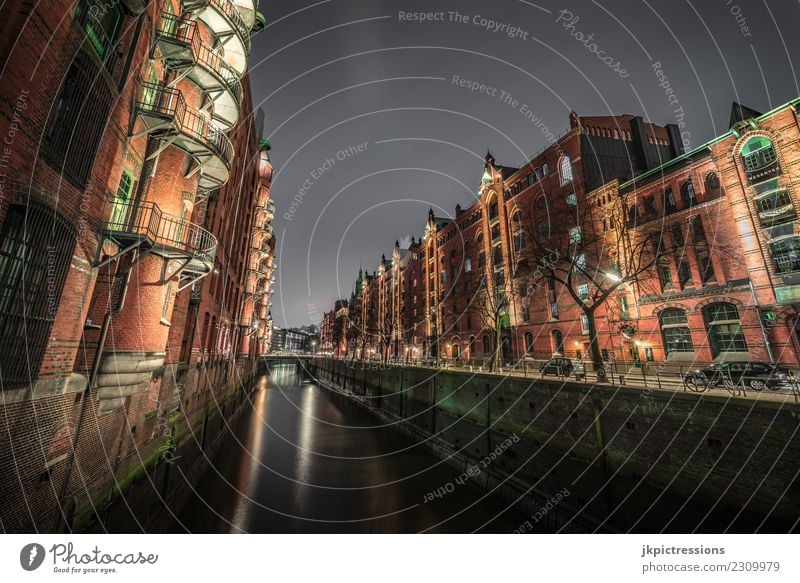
[228, 9]
[185, 31]
[148, 220]
[168, 102]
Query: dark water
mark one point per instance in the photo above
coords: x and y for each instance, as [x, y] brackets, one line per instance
[303, 459]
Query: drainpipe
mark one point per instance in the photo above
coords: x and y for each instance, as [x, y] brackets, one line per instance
[761, 322]
[90, 382]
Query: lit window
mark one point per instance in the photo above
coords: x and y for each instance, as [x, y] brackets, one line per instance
[583, 291]
[467, 265]
[566, 170]
[724, 330]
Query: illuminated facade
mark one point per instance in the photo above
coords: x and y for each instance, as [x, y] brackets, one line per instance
[728, 289]
[135, 167]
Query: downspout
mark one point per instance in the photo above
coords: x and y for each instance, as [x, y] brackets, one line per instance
[110, 314]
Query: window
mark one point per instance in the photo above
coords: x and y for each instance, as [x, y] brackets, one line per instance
[554, 310]
[706, 267]
[444, 276]
[724, 331]
[558, 342]
[467, 287]
[583, 291]
[669, 201]
[584, 324]
[571, 199]
[79, 117]
[526, 314]
[545, 169]
[467, 266]
[696, 227]
[102, 25]
[633, 215]
[623, 306]
[497, 256]
[786, 254]
[575, 235]
[482, 259]
[541, 203]
[544, 230]
[684, 273]
[566, 170]
[36, 245]
[687, 192]
[758, 156]
[493, 211]
[677, 235]
[495, 232]
[517, 217]
[122, 201]
[713, 187]
[485, 342]
[532, 178]
[650, 208]
[500, 278]
[528, 342]
[580, 261]
[665, 276]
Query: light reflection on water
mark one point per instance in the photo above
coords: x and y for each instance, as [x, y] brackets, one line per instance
[303, 459]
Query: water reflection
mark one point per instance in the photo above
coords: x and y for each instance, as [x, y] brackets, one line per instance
[303, 459]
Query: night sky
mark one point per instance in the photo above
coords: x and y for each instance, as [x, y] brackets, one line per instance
[371, 123]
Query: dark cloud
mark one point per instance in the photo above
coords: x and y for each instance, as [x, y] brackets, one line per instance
[343, 73]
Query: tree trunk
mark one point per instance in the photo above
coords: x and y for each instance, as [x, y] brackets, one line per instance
[594, 346]
[498, 347]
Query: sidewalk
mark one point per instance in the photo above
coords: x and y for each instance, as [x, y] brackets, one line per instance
[631, 377]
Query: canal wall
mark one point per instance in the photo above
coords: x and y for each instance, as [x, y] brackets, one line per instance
[630, 459]
[148, 494]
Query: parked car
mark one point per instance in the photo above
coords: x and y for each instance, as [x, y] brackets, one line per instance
[557, 366]
[754, 375]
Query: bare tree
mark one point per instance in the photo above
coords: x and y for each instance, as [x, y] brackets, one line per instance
[593, 252]
[491, 304]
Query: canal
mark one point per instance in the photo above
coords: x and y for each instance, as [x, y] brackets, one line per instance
[302, 459]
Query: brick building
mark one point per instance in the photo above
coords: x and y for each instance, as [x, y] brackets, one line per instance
[135, 250]
[714, 232]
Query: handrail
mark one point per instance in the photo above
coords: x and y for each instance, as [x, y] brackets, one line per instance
[185, 31]
[231, 12]
[168, 101]
[147, 219]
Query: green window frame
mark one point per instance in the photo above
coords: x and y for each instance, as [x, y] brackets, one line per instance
[122, 200]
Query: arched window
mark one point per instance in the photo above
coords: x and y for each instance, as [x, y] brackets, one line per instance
[633, 214]
[517, 217]
[687, 193]
[724, 331]
[760, 161]
[486, 348]
[558, 341]
[675, 331]
[36, 246]
[545, 169]
[528, 342]
[566, 170]
[713, 187]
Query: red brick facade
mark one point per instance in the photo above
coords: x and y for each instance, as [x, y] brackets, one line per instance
[727, 288]
[136, 246]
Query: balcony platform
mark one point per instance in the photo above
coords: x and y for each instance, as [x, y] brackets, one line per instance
[163, 113]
